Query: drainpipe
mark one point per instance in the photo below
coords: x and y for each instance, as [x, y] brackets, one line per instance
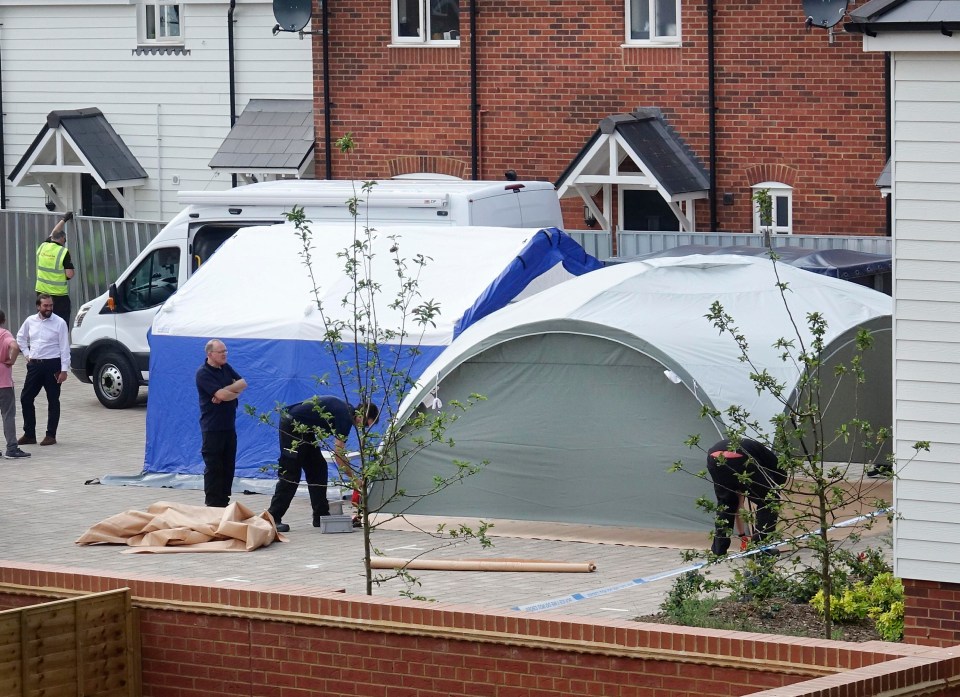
[3, 166]
[159, 167]
[712, 114]
[233, 77]
[474, 106]
[888, 137]
[327, 103]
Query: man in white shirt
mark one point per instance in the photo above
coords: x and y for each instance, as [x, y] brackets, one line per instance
[44, 341]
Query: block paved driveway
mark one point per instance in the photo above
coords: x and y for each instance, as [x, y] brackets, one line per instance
[48, 506]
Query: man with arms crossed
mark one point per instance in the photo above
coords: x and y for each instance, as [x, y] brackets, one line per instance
[218, 387]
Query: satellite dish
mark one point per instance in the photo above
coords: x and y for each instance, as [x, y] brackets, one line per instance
[820, 13]
[292, 15]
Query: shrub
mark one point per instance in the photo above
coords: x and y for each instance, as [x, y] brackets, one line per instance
[889, 624]
[881, 600]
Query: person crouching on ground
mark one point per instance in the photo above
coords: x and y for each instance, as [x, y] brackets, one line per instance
[753, 471]
[303, 427]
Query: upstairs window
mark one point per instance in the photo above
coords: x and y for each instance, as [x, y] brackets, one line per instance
[426, 22]
[781, 209]
[653, 22]
[160, 22]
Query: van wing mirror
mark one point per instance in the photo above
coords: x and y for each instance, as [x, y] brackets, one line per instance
[112, 297]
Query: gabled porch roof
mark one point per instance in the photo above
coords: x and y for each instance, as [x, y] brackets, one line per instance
[79, 141]
[638, 150]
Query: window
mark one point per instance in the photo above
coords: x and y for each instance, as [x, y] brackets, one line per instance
[781, 209]
[653, 22]
[160, 22]
[426, 22]
[152, 282]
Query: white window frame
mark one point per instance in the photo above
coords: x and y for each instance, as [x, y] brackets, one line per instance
[654, 40]
[155, 6]
[425, 40]
[776, 190]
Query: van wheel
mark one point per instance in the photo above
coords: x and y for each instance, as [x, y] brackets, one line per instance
[115, 382]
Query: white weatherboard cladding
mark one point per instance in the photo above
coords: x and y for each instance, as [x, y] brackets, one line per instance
[926, 186]
[71, 56]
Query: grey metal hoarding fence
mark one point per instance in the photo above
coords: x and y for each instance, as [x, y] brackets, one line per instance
[631, 243]
[100, 249]
[103, 247]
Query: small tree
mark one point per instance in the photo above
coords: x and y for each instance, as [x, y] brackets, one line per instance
[376, 361]
[817, 493]
[764, 204]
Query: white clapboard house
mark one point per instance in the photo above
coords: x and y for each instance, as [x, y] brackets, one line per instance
[112, 106]
[923, 38]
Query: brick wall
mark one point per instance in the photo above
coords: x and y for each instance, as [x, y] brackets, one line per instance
[548, 72]
[211, 641]
[932, 613]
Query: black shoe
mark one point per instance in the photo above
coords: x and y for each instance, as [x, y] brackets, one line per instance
[357, 522]
[283, 527]
[14, 453]
[318, 520]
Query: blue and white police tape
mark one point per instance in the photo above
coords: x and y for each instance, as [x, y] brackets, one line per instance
[598, 592]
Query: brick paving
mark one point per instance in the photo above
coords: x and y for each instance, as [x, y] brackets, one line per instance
[48, 506]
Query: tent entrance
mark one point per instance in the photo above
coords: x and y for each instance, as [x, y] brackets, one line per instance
[576, 429]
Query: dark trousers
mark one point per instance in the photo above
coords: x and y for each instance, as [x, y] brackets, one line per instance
[61, 308]
[219, 452]
[307, 460]
[41, 374]
[736, 475]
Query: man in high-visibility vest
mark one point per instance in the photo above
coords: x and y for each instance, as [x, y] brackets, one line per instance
[55, 268]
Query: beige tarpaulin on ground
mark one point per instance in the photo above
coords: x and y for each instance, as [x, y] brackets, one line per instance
[168, 527]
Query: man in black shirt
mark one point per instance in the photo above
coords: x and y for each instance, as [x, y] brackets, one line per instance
[303, 429]
[218, 387]
[751, 469]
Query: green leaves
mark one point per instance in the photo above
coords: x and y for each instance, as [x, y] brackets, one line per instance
[817, 493]
[374, 358]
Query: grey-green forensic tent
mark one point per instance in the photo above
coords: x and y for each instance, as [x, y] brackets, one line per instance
[593, 387]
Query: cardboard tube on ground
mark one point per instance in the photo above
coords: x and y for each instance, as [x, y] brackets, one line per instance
[483, 565]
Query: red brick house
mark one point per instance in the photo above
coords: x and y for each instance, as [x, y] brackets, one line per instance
[800, 111]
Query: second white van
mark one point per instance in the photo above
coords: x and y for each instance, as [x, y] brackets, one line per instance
[109, 338]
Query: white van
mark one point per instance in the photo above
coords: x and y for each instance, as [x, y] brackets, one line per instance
[109, 339]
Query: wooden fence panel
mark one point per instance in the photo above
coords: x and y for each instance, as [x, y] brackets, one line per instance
[80, 647]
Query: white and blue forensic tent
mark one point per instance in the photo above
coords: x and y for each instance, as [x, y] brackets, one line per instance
[257, 295]
[593, 387]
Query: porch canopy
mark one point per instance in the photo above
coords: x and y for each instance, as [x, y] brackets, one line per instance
[271, 137]
[637, 151]
[75, 142]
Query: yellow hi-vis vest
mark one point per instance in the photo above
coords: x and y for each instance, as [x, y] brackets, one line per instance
[51, 278]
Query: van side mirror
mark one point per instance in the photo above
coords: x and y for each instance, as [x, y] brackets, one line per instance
[112, 297]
